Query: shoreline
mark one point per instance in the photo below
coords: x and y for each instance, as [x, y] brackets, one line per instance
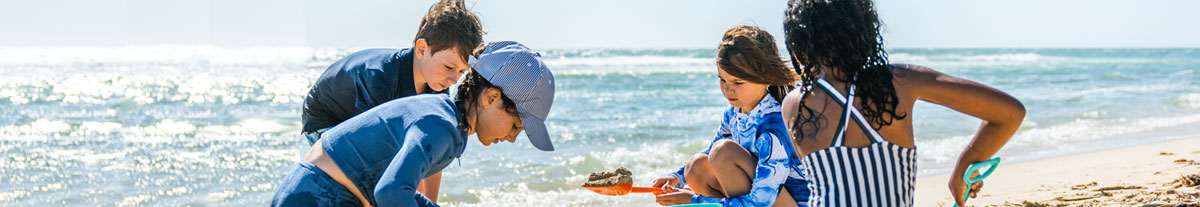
[1147, 173]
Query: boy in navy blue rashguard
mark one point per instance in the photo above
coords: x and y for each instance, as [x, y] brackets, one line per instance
[378, 157]
[365, 79]
[362, 80]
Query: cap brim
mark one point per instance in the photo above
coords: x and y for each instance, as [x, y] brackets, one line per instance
[535, 129]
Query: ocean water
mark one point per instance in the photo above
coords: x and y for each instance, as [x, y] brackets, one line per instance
[207, 126]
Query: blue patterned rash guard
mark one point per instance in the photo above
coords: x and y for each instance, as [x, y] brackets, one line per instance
[763, 133]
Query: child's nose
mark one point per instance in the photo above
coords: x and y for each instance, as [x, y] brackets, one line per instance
[725, 88]
[512, 136]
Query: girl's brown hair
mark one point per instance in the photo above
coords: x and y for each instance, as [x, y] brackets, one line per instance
[749, 53]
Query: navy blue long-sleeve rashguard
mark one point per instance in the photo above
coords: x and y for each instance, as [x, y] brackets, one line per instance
[387, 150]
[356, 83]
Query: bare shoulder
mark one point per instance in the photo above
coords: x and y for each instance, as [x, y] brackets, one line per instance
[920, 79]
[791, 104]
[910, 79]
[909, 73]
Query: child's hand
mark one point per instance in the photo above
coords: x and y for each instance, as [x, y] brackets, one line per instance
[674, 196]
[957, 186]
[664, 182]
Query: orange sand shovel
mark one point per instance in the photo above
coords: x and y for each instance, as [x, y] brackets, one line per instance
[624, 188]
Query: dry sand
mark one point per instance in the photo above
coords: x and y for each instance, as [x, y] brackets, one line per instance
[1158, 174]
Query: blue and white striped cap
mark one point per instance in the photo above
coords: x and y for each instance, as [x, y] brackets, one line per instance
[521, 75]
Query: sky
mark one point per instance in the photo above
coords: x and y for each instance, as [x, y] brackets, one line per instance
[584, 24]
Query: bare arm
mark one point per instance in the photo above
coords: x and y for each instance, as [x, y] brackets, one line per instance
[430, 185]
[1001, 114]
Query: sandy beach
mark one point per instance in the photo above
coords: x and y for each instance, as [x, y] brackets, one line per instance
[1157, 174]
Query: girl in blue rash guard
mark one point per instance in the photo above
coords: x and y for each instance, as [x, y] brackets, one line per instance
[378, 157]
[751, 161]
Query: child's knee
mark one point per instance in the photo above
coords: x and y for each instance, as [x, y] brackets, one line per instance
[695, 166]
[697, 161]
[723, 146]
[727, 152]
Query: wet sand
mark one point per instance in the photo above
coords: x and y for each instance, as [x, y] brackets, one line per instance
[604, 179]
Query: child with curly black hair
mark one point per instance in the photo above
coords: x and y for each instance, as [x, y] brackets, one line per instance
[849, 116]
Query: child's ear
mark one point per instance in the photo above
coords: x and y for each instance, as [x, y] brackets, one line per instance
[421, 48]
[491, 96]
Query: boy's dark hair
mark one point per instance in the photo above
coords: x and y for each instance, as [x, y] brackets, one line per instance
[470, 91]
[843, 36]
[450, 25]
[749, 53]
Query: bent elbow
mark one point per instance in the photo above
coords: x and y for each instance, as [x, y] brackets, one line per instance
[1017, 112]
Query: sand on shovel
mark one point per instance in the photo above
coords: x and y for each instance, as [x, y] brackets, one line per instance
[605, 179]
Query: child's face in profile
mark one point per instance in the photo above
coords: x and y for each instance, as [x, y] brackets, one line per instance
[741, 93]
[495, 123]
[440, 69]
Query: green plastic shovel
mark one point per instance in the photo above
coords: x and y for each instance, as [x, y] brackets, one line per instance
[966, 177]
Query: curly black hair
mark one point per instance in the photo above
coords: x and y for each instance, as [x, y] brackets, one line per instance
[844, 36]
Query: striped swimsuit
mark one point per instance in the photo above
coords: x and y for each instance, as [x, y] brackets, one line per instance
[880, 174]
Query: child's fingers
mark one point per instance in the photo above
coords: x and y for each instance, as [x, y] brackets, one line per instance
[975, 188]
[671, 199]
[658, 183]
[665, 191]
[670, 189]
[663, 199]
